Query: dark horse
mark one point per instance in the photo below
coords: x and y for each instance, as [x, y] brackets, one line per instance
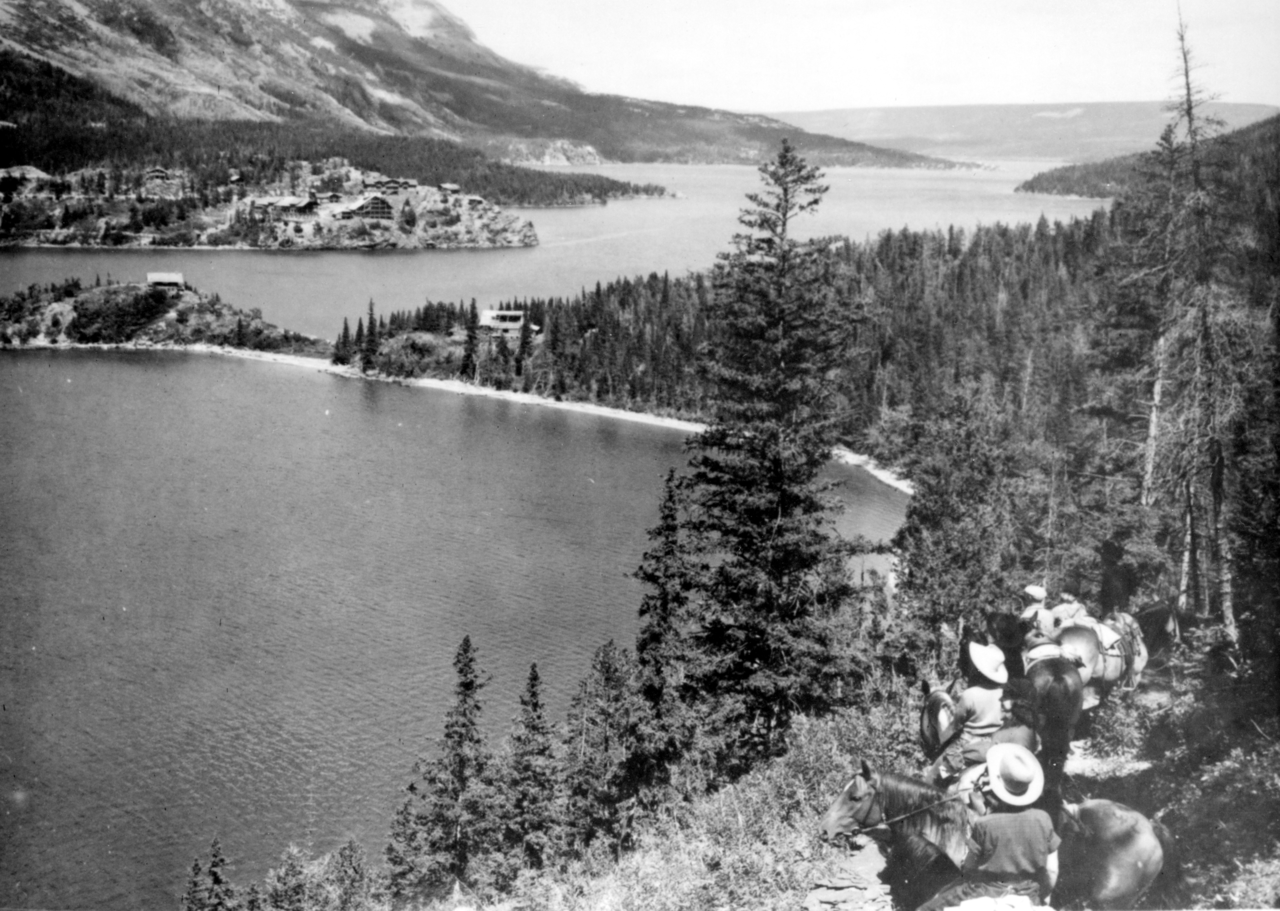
[1110, 854]
[1059, 690]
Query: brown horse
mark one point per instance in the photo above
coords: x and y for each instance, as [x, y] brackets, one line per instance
[1109, 858]
[928, 830]
[1111, 855]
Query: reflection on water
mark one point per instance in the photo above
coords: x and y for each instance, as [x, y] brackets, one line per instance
[233, 592]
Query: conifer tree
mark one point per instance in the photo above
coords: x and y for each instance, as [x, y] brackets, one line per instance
[525, 346]
[762, 577]
[471, 348]
[196, 894]
[347, 879]
[343, 349]
[369, 351]
[448, 818]
[357, 344]
[289, 888]
[528, 785]
[600, 750]
[221, 894]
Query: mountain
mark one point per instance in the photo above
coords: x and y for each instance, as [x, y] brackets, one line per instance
[1062, 132]
[406, 67]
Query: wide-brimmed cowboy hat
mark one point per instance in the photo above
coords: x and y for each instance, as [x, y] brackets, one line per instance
[1035, 592]
[1014, 774]
[988, 660]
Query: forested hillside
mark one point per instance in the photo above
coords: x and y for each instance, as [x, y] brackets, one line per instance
[1243, 148]
[63, 123]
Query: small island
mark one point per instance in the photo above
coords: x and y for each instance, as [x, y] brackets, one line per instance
[325, 205]
[162, 312]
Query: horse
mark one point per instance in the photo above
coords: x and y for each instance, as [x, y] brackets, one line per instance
[1109, 858]
[928, 830]
[1111, 855]
[1101, 667]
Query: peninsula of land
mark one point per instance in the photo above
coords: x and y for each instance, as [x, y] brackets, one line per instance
[327, 205]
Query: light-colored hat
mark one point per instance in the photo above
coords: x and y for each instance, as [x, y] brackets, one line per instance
[989, 662]
[1035, 592]
[1014, 774]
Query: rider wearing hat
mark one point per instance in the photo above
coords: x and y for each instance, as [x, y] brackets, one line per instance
[1034, 611]
[979, 712]
[1013, 850]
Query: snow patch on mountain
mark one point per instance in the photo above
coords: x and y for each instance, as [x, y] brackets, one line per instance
[416, 20]
[356, 27]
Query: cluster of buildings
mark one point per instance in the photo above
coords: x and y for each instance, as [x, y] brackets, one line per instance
[376, 202]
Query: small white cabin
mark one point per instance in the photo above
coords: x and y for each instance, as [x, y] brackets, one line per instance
[166, 280]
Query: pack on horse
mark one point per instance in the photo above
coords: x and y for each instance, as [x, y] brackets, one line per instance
[1110, 854]
[1109, 652]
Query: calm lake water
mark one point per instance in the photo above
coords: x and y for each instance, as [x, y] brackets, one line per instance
[233, 589]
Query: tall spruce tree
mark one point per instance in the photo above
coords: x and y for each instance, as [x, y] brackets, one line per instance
[600, 750]
[369, 352]
[471, 347]
[528, 785]
[221, 894]
[195, 897]
[761, 575]
[448, 816]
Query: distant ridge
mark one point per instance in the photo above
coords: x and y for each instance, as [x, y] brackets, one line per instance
[393, 67]
[1061, 132]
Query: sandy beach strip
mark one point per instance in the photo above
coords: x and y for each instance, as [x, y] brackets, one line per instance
[459, 387]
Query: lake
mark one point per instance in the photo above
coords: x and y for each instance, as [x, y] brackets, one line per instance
[311, 292]
[234, 589]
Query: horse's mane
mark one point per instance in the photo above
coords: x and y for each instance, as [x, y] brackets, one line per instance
[927, 812]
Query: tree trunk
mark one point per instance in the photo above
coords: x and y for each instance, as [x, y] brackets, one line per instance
[1220, 546]
[1153, 426]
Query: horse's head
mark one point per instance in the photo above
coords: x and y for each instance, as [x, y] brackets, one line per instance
[855, 807]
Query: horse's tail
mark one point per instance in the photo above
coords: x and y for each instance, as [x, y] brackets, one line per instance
[1166, 891]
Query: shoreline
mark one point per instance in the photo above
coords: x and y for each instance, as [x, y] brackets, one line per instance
[458, 387]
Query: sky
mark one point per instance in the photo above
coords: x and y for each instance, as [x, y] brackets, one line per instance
[805, 55]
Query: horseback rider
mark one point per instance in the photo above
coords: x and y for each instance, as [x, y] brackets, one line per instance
[979, 713]
[1070, 610]
[1013, 850]
[1034, 611]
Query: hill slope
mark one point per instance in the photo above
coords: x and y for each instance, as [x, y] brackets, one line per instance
[1246, 150]
[393, 66]
[1064, 132]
